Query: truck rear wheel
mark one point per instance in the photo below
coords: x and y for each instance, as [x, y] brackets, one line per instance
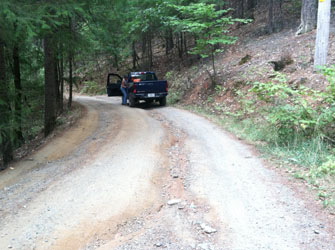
[132, 101]
[162, 101]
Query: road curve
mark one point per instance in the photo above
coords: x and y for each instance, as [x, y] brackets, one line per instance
[252, 206]
[60, 203]
[108, 183]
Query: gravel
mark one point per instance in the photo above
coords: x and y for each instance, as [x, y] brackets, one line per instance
[251, 207]
[152, 178]
[68, 200]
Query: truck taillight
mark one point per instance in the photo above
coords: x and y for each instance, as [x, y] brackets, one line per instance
[167, 86]
[134, 91]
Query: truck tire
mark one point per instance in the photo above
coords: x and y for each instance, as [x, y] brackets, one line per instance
[132, 101]
[162, 101]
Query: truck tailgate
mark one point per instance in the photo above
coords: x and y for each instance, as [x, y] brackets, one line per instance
[151, 87]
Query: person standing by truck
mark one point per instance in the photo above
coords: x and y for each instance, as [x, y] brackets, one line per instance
[137, 87]
[124, 90]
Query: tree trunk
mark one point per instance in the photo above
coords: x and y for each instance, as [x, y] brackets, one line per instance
[149, 52]
[275, 16]
[61, 76]
[270, 17]
[115, 61]
[239, 8]
[71, 59]
[50, 86]
[180, 45]
[134, 54]
[250, 7]
[169, 41]
[144, 46]
[308, 16]
[213, 62]
[251, 4]
[279, 19]
[137, 58]
[5, 111]
[185, 44]
[322, 36]
[69, 104]
[151, 62]
[57, 87]
[18, 95]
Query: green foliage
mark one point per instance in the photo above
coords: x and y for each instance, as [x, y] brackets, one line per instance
[169, 75]
[326, 168]
[92, 88]
[297, 126]
[23, 25]
[296, 112]
[219, 88]
[176, 87]
[174, 97]
[246, 104]
[329, 95]
[207, 24]
[210, 99]
[309, 159]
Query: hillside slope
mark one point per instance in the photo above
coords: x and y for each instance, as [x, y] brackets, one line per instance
[283, 111]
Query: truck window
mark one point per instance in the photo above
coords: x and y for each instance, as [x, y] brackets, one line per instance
[144, 77]
[149, 77]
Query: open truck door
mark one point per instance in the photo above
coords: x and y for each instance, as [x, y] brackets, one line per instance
[113, 85]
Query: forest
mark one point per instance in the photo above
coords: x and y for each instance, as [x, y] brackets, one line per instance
[48, 47]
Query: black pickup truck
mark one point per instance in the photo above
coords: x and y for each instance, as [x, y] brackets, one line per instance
[141, 86]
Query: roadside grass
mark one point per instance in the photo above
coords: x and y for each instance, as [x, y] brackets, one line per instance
[310, 160]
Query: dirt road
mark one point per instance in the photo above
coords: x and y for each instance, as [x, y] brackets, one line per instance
[150, 178]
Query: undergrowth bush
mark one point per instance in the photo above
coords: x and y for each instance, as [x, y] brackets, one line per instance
[174, 96]
[326, 168]
[177, 87]
[92, 88]
[294, 124]
[297, 112]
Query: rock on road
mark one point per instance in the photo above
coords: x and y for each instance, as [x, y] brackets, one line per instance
[148, 178]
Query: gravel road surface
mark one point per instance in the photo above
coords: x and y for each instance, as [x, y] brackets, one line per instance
[151, 178]
[254, 209]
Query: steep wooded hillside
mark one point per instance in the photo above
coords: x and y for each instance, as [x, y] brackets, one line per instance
[268, 93]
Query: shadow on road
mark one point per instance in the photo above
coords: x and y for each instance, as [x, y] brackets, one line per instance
[148, 106]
